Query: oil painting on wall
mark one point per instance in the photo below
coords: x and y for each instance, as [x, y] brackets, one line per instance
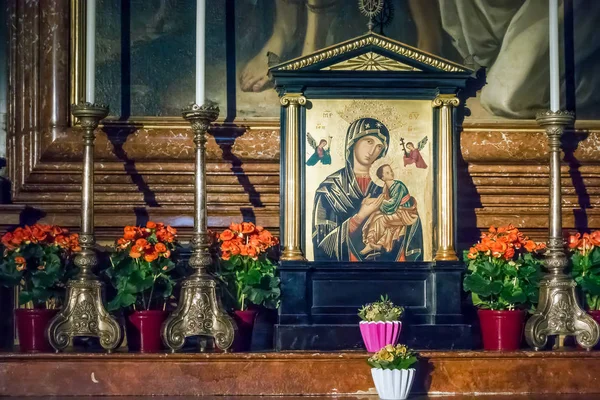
[145, 50]
[369, 180]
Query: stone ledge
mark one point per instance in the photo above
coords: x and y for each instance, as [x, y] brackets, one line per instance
[292, 373]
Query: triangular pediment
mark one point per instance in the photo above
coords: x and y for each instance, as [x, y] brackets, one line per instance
[371, 52]
[370, 62]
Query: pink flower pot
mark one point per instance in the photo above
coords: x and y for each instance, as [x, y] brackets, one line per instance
[379, 334]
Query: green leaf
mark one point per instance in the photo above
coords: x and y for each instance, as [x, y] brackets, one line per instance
[591, 285]
[595, 257]
[253, 277]
[512, 295]
[42, 279]
[152, 238]
[511, 270]
[490, 269]
[477, 284]
[478, 302]
[406, 363]
[527, 271]
[25, 297]
[40, 295]
[256, 296]
[495, 287]
[122, 300]
[32, 251]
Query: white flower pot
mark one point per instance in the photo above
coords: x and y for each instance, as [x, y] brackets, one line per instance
[393, 384]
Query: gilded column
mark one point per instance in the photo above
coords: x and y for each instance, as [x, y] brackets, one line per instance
[291, 249]
[445, 179]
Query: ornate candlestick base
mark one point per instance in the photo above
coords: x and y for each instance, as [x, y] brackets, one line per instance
[83, 313]
[199, 311]
[558, 312]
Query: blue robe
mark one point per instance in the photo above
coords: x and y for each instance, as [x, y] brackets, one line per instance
[337, 200]
[325, 159]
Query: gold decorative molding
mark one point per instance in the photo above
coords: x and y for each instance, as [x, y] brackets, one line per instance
[291, 248]
[371, 62]
[445, 179]
[449, 100]
[381, 42]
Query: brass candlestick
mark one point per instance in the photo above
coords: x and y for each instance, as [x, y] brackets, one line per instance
[83, 313]
[558, 312]
[199, 311]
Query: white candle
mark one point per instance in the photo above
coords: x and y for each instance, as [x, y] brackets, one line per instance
[200, 49]
[554, 57]
[90, 51]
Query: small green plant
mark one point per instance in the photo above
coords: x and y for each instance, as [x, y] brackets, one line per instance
[38, 260]
[585, 266]
[247, 268]
[504, 270]
[142, 270]
[393, 357]
[382, 310]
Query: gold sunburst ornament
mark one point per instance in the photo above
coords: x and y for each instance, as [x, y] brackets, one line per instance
[370, 8]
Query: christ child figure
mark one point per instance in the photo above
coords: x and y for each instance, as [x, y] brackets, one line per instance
[414, 156]
[398, 210]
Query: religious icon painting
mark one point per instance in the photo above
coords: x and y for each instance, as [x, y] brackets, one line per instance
[368, 189]
[368, 142]
[367, 158]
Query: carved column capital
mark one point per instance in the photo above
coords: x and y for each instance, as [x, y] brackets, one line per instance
[293, 99]
[448, 100]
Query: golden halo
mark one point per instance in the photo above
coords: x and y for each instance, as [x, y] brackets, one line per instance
[375, 166]
[385, 113]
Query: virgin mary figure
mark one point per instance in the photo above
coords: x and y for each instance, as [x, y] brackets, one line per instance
[346, 198]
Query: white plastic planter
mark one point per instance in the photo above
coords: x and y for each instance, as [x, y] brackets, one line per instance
[393, 384]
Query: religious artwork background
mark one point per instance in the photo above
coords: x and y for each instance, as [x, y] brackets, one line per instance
[401, 227]
[145, 52]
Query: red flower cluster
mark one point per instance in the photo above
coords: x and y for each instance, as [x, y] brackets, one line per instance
[503, 242]
[245, 239]
[586, 243]
[150, 242]
[50, 235]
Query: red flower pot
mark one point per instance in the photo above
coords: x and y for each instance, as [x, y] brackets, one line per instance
[31, 328]
[245, 325]
[143, 334]
[501, 330]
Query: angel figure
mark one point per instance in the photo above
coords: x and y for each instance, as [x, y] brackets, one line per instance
[321, 153]
[413, 156]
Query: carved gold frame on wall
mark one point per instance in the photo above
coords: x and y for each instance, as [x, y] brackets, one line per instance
[78, 79]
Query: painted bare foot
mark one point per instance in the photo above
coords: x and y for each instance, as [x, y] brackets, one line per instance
[367, 249]
[254, 76]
